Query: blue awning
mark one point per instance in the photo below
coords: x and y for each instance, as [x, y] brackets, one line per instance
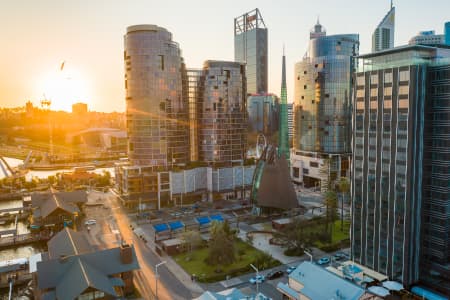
[216, 218]
[418, 290]
[160, 227]
[203, 220]
[176, 225]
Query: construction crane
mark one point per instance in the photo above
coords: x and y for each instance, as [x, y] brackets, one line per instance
[45, 104]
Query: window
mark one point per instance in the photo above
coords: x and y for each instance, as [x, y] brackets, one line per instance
[296, 172]
[305, 171]
[404, 75]
[387, 77]
[161, 62]
[313, 164]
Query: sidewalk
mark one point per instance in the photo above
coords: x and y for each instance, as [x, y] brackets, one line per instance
[173, 267]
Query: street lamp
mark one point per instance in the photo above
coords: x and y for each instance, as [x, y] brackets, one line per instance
[309, 254]
[257, 278]
[156, 277]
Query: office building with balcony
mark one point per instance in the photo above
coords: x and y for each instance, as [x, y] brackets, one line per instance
[383, 36]
[156, 104]
[322, 109]
[251, 48]
[400, 166]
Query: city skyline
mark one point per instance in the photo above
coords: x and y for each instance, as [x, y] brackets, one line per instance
[90, 39]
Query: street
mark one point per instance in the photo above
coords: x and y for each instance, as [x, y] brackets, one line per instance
[112, 219]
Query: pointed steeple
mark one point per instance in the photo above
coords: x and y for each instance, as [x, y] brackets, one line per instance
[283, 139]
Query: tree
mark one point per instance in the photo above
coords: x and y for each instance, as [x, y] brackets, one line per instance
[222, 249]
[191, 239]
[344, 189]
[294, 237]
[331, 207]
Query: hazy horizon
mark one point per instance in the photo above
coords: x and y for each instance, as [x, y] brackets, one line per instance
[88, 36]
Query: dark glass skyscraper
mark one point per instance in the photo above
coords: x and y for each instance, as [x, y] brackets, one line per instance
[222, 114]
[322, 110]
[156, 102]
[250, 47]
[400, 166]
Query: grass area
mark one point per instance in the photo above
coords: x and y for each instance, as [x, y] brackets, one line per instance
[338, 234]
[194, 263]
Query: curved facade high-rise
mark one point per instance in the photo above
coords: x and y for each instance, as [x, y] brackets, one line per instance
[156, 101]
[222, 115]
[322, 110]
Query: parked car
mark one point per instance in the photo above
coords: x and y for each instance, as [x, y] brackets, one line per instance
[323, 261]
[90, 222]
[339, 256]
[257, 279]
[290, 269]
[274, 274]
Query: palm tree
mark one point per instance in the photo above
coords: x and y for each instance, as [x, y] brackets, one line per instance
[344, 188]
[331, 206]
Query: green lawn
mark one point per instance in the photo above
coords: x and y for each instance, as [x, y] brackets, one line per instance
[339, 235]
[194, 263]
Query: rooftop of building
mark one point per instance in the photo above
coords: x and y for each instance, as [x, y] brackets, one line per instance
[145, 27]
[71, 266]
[312, 277]
[46, 203]
[407, 55]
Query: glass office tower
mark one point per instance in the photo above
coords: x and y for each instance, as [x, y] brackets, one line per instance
[383, 36]
[250, 47]
[447, 33]
[322, 108]
[156, 103]
[221, 113]
[400, 184]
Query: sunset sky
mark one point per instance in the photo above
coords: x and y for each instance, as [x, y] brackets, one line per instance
[37, 36]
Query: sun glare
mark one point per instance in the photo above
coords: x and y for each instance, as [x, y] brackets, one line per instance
[64, 87]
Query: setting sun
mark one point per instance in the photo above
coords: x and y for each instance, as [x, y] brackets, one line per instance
[63, 87]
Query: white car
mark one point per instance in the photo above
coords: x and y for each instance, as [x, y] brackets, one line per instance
[90, 222]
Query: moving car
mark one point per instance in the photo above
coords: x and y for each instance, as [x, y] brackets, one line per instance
[257, 279]
[323, 261]
[290, 269]
[274, 274]
[90, 222]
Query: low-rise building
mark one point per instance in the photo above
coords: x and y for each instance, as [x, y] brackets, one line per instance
[310, 281]
[72, 269]
[153, 188]
[55, 210]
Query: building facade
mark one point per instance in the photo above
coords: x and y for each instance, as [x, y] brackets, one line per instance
[400, 206]
[221, 114]
[322, 109]
[251, 48]
[156, 103]
[427, 38]
[383, 36]
[263, 110]
[447, 33]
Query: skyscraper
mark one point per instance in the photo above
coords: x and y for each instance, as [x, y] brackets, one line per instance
[250, 47]
[221, 113]
[383, 36]
[263, 110]
[400, 190]
[322, 110]
[447, 33]
[156, 105]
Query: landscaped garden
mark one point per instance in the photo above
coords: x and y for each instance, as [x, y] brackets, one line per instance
[222, 258]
